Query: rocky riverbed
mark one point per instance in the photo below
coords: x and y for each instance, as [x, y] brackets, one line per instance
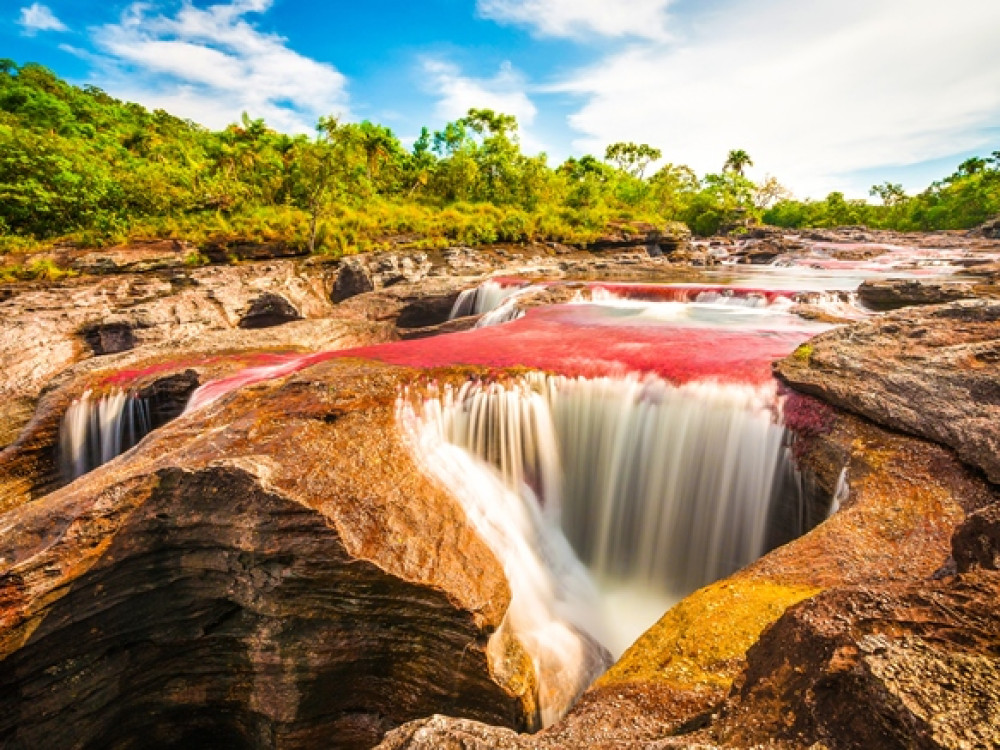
[275, 569]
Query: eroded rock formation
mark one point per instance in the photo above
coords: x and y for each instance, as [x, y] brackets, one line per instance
[925, 371]
[227, 584]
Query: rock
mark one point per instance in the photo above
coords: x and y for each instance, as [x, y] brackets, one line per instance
[656, 240]
[892, 294]
[976, 543]
[989, 230]
[46, 329]
[367, 273]
[136, 257]
[353, 279]
[889, 667]
[269, 310]
[227, 584]
[930, 371]
[906, 496]
[109, 338]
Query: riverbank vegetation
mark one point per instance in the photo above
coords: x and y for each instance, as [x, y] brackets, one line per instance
[77, 165]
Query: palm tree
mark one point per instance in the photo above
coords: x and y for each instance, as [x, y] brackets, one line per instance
[737, 161]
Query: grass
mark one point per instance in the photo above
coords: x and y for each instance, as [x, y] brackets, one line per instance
[39, 270]
[346, 229]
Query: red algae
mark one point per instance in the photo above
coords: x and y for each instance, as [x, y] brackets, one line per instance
[242, 359]
[566, 341]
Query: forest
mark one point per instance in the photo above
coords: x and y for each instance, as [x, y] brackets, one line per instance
[79, 166]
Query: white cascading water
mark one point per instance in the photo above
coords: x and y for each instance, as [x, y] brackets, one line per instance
[659, 489]
[95, 429]
[496, 303]
[554, 607]
[482, 299]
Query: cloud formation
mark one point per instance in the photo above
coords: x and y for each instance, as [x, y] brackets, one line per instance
[581, 18]
[813, 91]
[37, 17]
[505, 92]
[211, 64]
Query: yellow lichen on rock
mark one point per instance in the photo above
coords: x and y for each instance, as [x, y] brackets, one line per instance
[703, 639]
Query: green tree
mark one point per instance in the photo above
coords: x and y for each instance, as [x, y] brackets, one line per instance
[737, 161]
[632, 158]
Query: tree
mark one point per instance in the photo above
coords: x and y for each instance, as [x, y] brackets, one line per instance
[632, 158]
[891, 194]
[769, 192]
[379, 145]
[321, 170]
[737, 161]
[971, 166]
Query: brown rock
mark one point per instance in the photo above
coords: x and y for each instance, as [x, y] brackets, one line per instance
[989, 230]
[906, 497]
[933, 372]
[270, 572]
[892, 294]
[368, 273]
[889, 667]
[44, 330]
[976, 543]
[656, 240]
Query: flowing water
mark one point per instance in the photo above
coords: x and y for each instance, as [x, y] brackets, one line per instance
[658, 489]
[95, 429]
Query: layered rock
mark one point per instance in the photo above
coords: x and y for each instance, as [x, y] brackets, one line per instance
[270, 572]
[905, 498]
[892, 294]
[929, 371]
[889, 667]
[45, 330]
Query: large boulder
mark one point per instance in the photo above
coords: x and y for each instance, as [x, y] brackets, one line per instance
[272, 571]
[933, 372]
[892, 294]
[888, 666]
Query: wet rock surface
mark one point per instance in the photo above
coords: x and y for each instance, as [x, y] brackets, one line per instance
[225, 582]
[929, 371]
[680, 684]
[893, 294]
[230, 583]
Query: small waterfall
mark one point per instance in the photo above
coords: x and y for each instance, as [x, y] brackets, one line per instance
[838, 304]
[484, 298]
[95, 429]
[659, 489]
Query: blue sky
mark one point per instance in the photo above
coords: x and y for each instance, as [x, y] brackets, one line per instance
[824, 94]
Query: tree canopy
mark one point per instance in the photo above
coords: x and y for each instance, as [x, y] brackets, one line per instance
[77, 163]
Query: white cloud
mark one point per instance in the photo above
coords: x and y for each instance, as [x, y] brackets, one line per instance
[579, 18]
[504, 92]
[212, 64]
[813, 91]
[37, 17]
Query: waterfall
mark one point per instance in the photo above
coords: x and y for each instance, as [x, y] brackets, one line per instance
[659, 489]
[96, 429]
[484, 298]
[554, 609]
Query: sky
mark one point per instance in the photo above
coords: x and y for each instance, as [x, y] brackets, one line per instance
[823, 94]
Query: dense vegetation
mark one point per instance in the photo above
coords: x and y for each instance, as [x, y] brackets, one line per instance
[962, 200]
[77, 164]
